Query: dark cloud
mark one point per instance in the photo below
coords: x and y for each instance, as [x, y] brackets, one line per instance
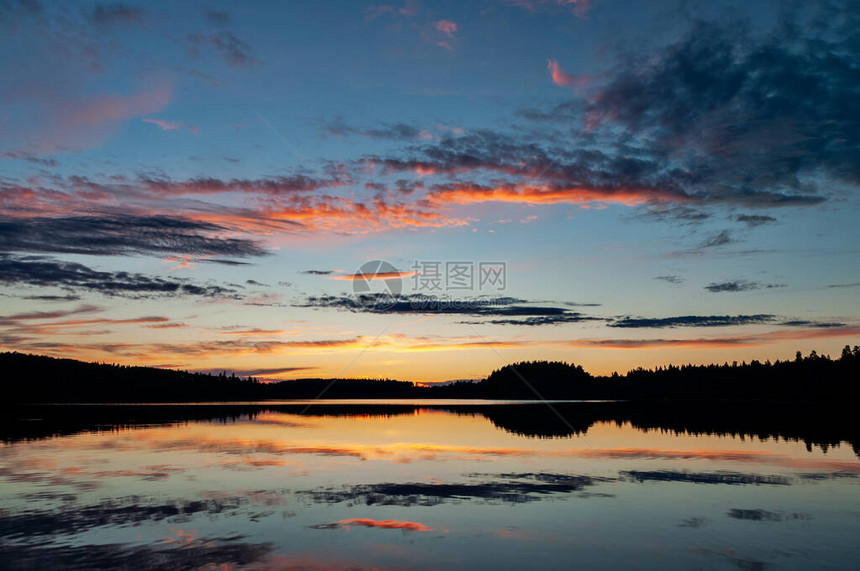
[568, 317]
[675, 213]
[721, 116]
[218, 18]
[57, 314]
[48, 272]
[20, 155]
[753, 113]
[120, 235]
[393, 131]
[69, 297]
[224, 262]
[10, 8]
[732, 286]
[719, 239]
[753, 220]
[235, 52]
[318, 272]
[117, 13]
[806, 323]
[408, 186]
[855, 284]
[675, 280]
[512, 311]
[693, 321]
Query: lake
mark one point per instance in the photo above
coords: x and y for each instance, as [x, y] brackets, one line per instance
[423, 485]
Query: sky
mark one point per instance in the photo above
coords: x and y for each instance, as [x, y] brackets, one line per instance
[428, 191]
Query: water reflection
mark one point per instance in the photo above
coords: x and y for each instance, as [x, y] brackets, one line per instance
[422, 485]
[820, 426]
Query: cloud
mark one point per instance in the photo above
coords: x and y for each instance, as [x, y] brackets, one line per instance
[580, 7]
[754, 340]
[57, 123]
[23, 156]
[121, 235]
[855, 284]
[564, 79]
[140, 353]
[47, 272]
[735, 286]
[223, 262]
[807, 323]
[721, 238]
[14, 319]
[117, 13]
[69, 297]
[739, 105]
[218, 18]
[235, 52]
[171, 125]
[674, 280]
[753, 220]
[447, 27]
[386, 131]
[506, 310]
[470, 193]
[318, 272]
[693, 321]
[265, 205]
[362, 276]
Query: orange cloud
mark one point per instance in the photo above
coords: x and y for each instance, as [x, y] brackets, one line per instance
[564, 79]
[374, 276]
[468, 193]
[386, 524]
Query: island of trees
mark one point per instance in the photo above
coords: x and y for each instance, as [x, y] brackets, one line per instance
[814, 377]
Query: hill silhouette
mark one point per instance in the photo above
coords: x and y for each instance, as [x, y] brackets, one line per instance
[33, 378]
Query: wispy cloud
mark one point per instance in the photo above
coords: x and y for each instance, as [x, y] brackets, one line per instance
[48, 272]
[738, 286]
[171, 125]
[122, 235]
[117, 13]
[235, 52]
[692, 321]
[753, 220]
[672, 279]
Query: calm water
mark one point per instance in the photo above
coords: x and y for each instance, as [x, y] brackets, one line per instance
[412, 486]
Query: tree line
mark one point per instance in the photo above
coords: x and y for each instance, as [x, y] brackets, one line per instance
[33, 378]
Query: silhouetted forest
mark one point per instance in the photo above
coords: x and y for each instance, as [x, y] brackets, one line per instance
[32, 378]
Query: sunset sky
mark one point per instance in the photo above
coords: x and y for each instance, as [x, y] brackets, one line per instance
[196, 185]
